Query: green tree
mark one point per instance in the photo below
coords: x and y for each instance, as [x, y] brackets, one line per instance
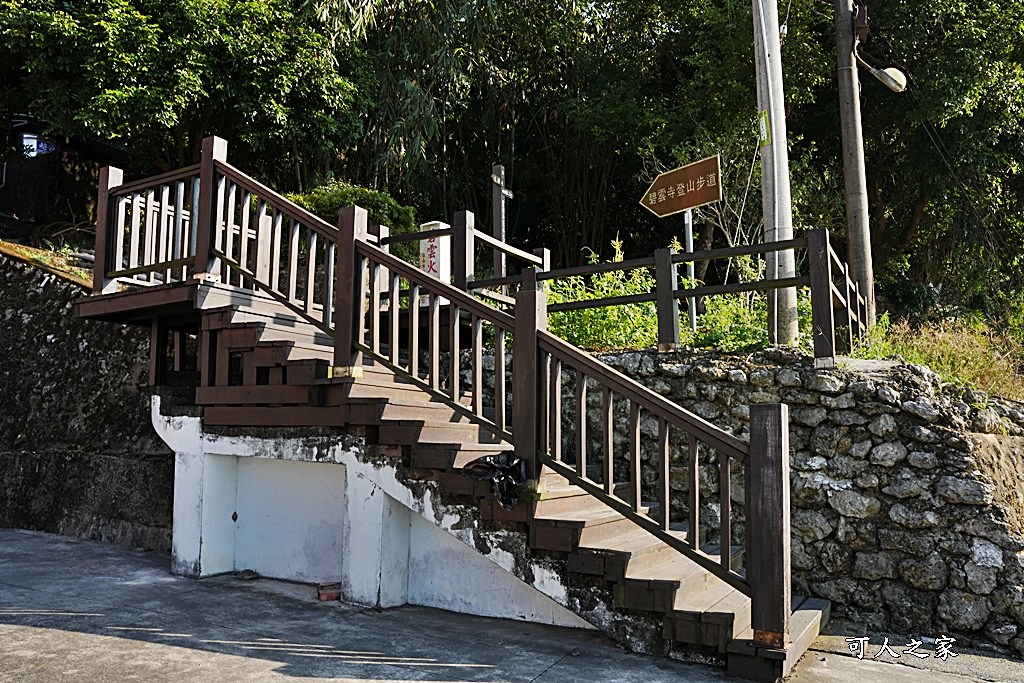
[159, 76]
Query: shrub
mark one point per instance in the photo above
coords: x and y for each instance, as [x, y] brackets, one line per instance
[325, 201]
[610, 327]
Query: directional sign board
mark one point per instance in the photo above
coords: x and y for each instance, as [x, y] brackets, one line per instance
[685, 188]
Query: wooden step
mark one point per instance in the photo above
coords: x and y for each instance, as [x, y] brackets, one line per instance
[407, 433]
[634, 549]
[554, 500]
[279, 322]
[453, 457]
[567, 531]
[746, 660]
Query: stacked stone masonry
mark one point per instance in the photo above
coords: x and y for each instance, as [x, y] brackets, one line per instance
[908, 512]
[78, 454]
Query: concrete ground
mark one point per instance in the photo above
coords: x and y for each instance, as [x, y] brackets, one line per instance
[73, 610]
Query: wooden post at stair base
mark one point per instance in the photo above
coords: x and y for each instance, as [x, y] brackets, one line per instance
[768, 544]
[666, 282]
[822, 315]
[531, 316]
[110, 178]
[214, 149]
[463, 249]
[348, 304]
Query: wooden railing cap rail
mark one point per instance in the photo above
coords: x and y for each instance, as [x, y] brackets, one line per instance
[282, 203]
[155, 181]
[437, 287]
[650, 401]
[736, 287]
[506, 248]
[495, 282]
[596, 268]
[416, 236]
[744, 250]
[624, 300]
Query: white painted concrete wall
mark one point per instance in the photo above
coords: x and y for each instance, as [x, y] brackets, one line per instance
[340, 518]
[289, 519]
[444, 573]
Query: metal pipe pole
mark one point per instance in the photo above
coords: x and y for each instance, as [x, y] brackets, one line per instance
[858, 232]
[778, 210]
[498, 215]
[691, 303]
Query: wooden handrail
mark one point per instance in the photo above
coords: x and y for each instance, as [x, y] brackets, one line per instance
[596, 268]
[442, 289]
[744, 250]
[416, 236]
[153, 181]
[495, 282]
[152, 268]
[503, 247]
[650, 401]
[601, 303]
[736, 287]
[311, 221]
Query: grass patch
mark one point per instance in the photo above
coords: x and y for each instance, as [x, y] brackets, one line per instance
[963, 351]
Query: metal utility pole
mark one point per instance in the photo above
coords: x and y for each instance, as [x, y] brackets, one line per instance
[499, 195]
[778, 210]
[858, 233]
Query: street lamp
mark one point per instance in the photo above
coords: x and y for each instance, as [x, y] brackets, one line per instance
[893, 78]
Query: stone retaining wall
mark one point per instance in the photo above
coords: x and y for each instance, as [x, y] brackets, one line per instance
[907, 502]
[78, 454]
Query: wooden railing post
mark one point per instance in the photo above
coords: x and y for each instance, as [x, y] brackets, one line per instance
[822, 315]
[767, 507]
[463, 250]
[214, 149]
[348, 301]
[531, 316]
[110, 178]
[666, 283]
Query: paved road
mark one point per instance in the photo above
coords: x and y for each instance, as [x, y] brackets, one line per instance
[73, 610]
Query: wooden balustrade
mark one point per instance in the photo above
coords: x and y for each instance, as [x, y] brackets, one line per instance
[263, 242]
[617, 477]
[149, 237]
[380, 308]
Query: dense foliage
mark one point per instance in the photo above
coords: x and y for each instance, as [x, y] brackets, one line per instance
[583, 102]
[156, 77]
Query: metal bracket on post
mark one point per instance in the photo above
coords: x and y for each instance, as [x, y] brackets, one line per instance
[666, 283]
[691, 302]
[110, 178]
[768, 542]
[531, 316]
[206, 225]
[349, 319]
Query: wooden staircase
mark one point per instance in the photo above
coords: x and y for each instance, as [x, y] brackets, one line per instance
[272, 369]
[353, 337]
